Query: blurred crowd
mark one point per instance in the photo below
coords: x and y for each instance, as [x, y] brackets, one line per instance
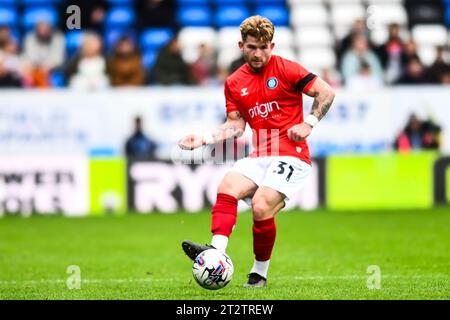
[394, 62]
[418, 134]
[42, 61]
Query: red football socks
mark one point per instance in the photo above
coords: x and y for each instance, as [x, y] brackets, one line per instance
[264, 233]
[224, 214]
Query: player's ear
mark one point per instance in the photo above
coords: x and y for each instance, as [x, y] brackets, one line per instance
[241, 45]
[272, 45]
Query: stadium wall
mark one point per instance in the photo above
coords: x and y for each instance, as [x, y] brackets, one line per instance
[61, 152]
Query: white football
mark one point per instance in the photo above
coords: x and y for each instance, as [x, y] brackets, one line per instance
[212, 269]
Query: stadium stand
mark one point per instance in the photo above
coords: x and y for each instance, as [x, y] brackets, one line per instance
[308, 30]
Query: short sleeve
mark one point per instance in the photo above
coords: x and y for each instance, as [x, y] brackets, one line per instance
[230, 103]
[299, 78]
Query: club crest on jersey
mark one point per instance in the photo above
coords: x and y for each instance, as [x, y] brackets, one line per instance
[272, 83]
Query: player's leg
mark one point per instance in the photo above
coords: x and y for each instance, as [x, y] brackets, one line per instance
[284, 177]
[239, 183]
[233, 187]
[266, 203]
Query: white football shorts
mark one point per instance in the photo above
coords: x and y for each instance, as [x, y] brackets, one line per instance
[284, 174]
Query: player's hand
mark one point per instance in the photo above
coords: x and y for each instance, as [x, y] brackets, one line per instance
[299, 132]
[191, 142]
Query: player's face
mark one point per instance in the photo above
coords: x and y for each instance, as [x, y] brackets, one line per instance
[256, 53]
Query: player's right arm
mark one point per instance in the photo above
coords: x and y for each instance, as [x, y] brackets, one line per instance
[233, 127]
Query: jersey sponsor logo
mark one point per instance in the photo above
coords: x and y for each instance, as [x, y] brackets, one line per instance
[272, 83]
[263, 109]
[244, 92]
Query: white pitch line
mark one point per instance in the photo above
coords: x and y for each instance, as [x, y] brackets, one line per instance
[150, 280]
[56, 281]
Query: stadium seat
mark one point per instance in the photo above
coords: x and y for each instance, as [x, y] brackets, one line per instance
[275, 2]
[190, 39]
[230, 15]
[430, 35]
[376, 2]
[228, 38]
[423, 13]
[317, 58]
[346, 14]
[279, 15]
[340, 2]
[230, 2]
[120, 17]
[427, 54]
[121, 2]
[286, 53]
[447, 16]
[155, 38]
[193, 2]
[194, 16]
[149, 58]
[309, 15]
[8, 16]
[7, 2]
[384, 14]
[380, 35]
[32, 15]
[16, 35]
[293, 3]
[341, 31]
[57, 79]
[38, 2]
[227, 56]
[283, 37]
[74, 39]
[194, 36]
[314, 36]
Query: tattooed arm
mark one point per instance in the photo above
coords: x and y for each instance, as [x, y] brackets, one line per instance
[233, 127]
[323, 98]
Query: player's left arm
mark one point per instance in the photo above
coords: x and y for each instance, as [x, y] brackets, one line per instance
[323, 98]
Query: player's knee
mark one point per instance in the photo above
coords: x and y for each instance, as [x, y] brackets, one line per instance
[261, 209]
[227, 187]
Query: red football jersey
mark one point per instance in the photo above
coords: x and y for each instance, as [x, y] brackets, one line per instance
[271, 102]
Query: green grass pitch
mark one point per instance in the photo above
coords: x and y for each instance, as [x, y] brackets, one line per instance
[318, 255]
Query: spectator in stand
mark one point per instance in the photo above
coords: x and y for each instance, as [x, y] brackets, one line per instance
[170, 68]
[204, 69]
[409, 53]
[10, 53]
[445, 78]
[88, 69]
[439, 67]
[8, 79]
[364, 80]
[44, 51]
[352, 59]
[139, 145]
[418, 135]
[5, 36]
[359, 28]
[390, 54]
[155, 13]
[125, 64]
[415, 73]
[236, 64]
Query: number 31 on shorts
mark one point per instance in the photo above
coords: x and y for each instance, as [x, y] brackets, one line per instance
[286, 169]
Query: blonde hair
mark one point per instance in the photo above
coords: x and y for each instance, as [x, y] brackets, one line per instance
[259, 27]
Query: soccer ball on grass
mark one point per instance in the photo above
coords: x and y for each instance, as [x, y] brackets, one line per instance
[212, 269]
